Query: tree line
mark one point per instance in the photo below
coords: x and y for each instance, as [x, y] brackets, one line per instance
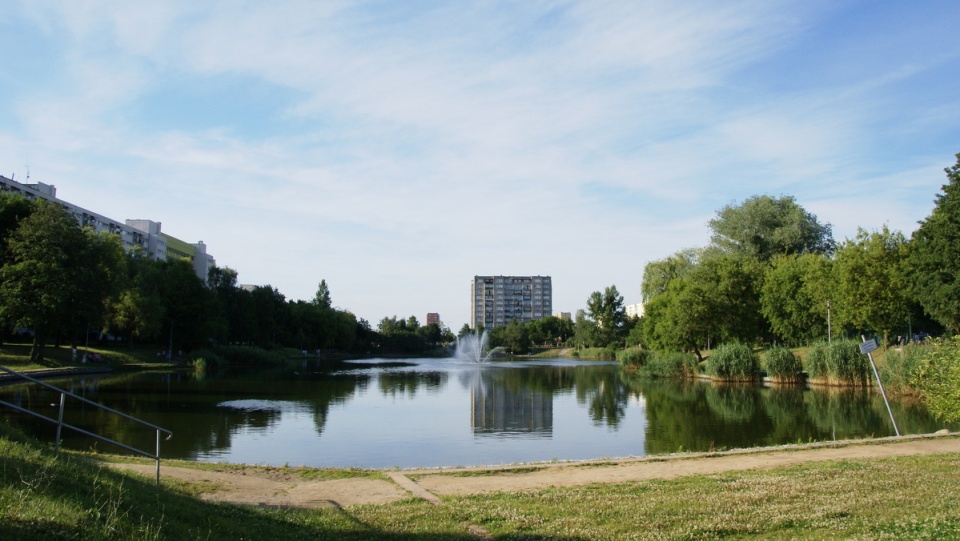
[774, 275]
[66, 284]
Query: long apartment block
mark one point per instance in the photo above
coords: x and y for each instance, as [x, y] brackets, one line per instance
[497, 300]
[142, 234]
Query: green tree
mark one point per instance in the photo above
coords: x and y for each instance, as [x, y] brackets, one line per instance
[13, 208]
[934, 255]
[763, 227]
[608, 314]
[37, 284]
[550, 330]
[99, 276]
[871, 286]
[735, 281]
[680, 318]
[584, 330]
[322, 297]
[794, 297]
[137, 312]
[657, 275]
[186, 303]
[515, 339]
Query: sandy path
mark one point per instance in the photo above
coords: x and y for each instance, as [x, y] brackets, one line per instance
[270, 486]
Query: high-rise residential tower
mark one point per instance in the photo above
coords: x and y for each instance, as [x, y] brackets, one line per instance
[495, 301]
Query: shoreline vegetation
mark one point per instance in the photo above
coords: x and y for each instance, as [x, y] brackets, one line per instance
[836, 364]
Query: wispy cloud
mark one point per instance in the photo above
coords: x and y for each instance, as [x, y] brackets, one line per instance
[398, 148]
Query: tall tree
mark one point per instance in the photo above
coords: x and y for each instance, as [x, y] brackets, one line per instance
[764, 227]
[795, 295]
[609, 315]
[37, 284]
[322, 297]
[934, 255]
[186, 304]
[138, 309]
[657, 275]
[681, 318]
[870, 279]
[99, 276]
[13, 208]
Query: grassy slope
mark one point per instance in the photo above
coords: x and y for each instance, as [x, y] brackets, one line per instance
[42, 497]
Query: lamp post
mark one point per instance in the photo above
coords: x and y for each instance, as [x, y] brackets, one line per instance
[829, 330]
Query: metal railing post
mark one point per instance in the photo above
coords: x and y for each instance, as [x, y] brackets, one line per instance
[56, 444]
[158, 457]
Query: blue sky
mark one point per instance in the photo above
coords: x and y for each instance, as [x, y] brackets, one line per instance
[397, 149]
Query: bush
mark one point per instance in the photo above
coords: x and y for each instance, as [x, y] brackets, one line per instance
[733, 362]
[839, 363]
[634, 357]
[646, 363]
[673, 365]
[900, 372]
[783, 365]
[938, 379]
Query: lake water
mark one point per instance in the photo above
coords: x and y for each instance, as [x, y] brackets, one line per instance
[440, 412]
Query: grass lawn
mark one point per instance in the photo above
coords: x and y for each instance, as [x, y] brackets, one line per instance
[43, 497]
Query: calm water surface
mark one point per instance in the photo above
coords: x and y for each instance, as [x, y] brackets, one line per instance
[439, 412]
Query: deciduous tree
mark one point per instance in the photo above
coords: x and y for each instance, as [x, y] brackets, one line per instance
[794, 297]
[870, 281]
[38, 283]
[934, 258]
[764, 227]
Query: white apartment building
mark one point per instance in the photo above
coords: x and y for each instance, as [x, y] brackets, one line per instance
[634, 310]
[495, 301]
[143, 234]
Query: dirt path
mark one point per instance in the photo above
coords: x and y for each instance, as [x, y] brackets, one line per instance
[275, 487]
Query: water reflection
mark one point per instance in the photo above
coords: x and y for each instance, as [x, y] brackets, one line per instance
[438, 413]
[501, 409]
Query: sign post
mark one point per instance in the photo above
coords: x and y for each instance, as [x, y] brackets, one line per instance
[866, 348]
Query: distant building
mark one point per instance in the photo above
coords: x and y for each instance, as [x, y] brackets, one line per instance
[563, 315]
[134, 234]
[634, 310]
[433, 318]
[495, 301]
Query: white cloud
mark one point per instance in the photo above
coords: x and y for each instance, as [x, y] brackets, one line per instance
[413, 146]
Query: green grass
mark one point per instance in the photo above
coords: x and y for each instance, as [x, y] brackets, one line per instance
[75, 497]
[17, 357]
[892, 498]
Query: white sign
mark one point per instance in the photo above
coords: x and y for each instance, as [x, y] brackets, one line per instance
[868, 346]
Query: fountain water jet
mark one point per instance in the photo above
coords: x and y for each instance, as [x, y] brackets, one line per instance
[472, 347]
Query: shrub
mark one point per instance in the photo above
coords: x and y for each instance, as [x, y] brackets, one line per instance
[839, 363]
[783, 365]
[733, 362]
[849, 364]
[900, 372]
[673, 365]
[938, 379]
[634, 357]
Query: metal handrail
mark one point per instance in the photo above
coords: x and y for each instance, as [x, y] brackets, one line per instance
[60, 424]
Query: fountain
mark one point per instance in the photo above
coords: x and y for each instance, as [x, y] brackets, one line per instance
[472, 347]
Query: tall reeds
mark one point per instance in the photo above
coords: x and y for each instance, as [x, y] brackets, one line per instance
[838, 363]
